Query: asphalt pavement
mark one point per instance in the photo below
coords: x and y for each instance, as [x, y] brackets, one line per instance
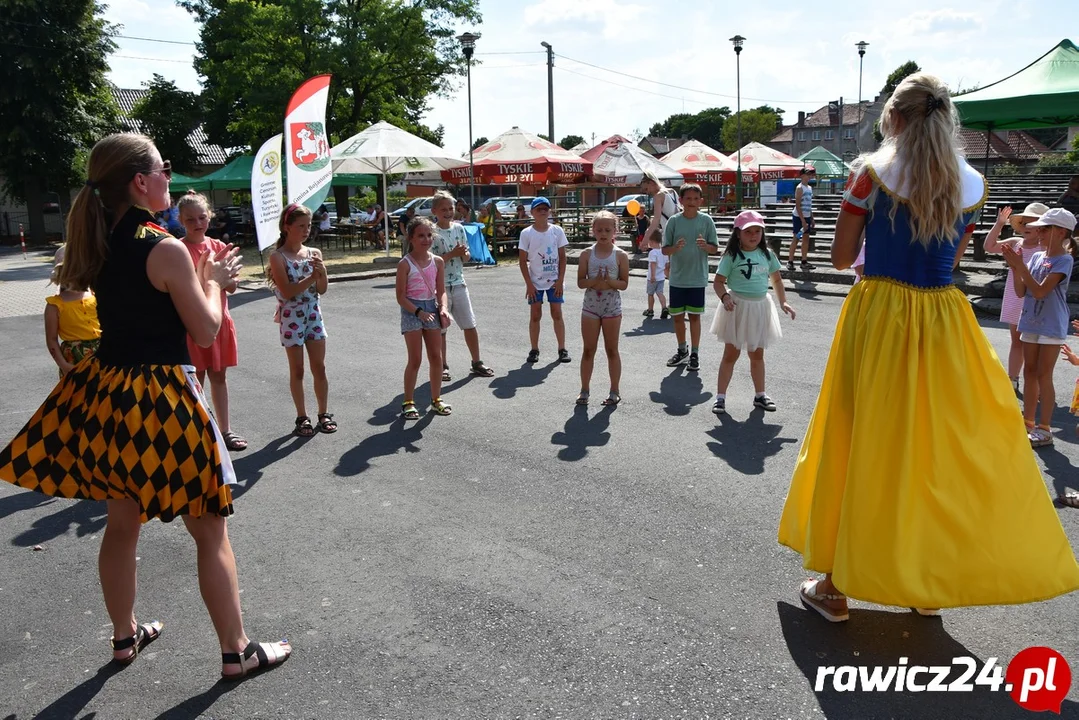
[521, 558]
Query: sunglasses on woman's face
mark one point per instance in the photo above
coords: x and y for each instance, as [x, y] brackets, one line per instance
[165, 169]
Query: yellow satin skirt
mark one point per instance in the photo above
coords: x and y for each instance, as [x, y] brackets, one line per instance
[916, 484]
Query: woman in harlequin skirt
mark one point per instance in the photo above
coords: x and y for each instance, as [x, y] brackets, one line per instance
[916, 485]
[129, 424]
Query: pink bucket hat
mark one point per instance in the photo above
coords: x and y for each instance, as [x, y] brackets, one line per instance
[749, 218]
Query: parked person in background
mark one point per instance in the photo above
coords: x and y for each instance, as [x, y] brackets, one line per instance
[377, 221]
[803, 219]
[665, 205]
[462, 212]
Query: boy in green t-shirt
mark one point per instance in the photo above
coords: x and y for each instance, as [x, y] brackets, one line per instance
[689, 238]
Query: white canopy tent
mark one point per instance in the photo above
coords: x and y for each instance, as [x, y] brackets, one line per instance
[387, 149]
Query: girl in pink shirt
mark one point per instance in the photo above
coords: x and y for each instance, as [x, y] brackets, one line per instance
[421, 293]
[217, 358]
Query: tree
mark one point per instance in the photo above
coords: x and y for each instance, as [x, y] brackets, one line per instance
[898, 75]
[571, 141]
[169, 116]
[386, 58]
[56, 102]
[544, 136]
[758, 125]
[479, 142]
[705, 126]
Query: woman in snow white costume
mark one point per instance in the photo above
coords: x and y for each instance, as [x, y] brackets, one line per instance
[916, 485]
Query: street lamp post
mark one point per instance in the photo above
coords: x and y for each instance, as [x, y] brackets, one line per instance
[738, 40]
[468, 46]
[862, 45]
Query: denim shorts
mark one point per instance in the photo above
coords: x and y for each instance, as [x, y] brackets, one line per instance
[410, 322]
[551, 297]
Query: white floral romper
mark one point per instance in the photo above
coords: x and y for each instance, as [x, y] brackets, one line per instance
[300, 316]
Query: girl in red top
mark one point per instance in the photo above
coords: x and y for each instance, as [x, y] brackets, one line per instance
[221, 355]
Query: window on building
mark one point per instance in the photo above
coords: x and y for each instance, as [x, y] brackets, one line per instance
[801, 136]
[816, 134]
[829, 135]
[849, 133]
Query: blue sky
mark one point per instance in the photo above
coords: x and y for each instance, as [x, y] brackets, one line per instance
[797, 56]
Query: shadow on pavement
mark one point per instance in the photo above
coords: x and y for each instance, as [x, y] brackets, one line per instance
[70, 703]
[88, 517]
[650, 327]
[746, 445]
[526, 376]
[680, 393]
[400, 435]
[195, 706]
[582, 433]
[22, 500]
[875, 638]
[249, 466]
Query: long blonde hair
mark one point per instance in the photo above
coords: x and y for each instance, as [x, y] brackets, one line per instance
[196, 199]
[920, 126]
[113, 162]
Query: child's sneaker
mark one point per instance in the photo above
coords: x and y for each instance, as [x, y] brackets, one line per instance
[563, 355]
[806, 265]
[764, 403]
[533, 356]
[694, 363]
[790, 266]
[648, 313]
[665, 314]
[720, 406]
[679, 358]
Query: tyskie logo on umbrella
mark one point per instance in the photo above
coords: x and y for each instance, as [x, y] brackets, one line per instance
[311, 150]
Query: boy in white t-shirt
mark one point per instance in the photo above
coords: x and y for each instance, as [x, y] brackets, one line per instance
[542, 254]
[658, 270]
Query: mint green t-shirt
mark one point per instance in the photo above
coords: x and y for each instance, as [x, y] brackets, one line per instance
[747, 272]
[689, 266]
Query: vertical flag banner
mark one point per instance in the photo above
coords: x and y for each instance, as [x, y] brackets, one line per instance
[307, 146]
[267, 191]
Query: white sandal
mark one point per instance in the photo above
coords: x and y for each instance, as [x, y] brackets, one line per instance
[816, 601]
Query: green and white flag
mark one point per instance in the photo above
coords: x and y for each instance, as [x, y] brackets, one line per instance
[307, 146]
[267, 191]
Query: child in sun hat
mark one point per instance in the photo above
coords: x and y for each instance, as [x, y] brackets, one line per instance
[748, 318]
[1012, 305]
[1042, 283]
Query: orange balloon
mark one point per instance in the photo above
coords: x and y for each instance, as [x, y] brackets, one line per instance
[633, 207]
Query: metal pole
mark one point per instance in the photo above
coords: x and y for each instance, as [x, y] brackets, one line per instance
[738, 116]
[550, 90]
[471, 166]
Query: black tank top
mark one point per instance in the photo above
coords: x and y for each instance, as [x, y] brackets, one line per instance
[139, 323]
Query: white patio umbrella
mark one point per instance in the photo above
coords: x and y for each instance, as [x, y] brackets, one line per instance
[387, 149]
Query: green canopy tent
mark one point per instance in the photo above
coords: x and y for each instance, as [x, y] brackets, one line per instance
[180, 183]
[826, 163]
[237, 176]
[1043, 94]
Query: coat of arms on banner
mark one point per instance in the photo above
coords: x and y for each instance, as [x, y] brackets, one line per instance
[310, 150]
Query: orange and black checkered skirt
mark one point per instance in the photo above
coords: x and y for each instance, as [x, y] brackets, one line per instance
[108, 433]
